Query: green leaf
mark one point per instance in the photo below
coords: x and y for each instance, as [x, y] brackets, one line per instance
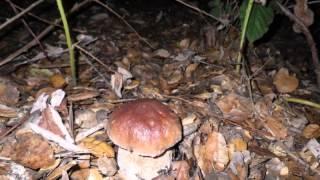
[260, 19]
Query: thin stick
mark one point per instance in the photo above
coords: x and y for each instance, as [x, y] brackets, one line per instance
[93, 57]
[40, 36]
[44, 20]
[9, 21]
[29, 29]
[223, 21]
[309, 38]
[125, 22]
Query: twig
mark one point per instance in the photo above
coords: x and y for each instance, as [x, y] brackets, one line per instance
[93, 57]
[46, 21]
[309, 38]
[40, 36]
[125, 22]
[223, 21]
[29, 29]
[9, 21]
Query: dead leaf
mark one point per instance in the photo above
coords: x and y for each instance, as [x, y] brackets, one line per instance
[117, 83]
[107, 166]
[284, 82]
[213, 153]
[97, 147]
[57, 81]
[86, 118]
[235, 107]
[8, 112]
[304, 13]
[84, 95]
[9, 93]
[190, 69]
[275, 127]
[311, 131]
[162, 53]
[181, 170]
[30, 150]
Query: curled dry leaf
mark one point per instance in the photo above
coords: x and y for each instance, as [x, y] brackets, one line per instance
[162, 53]
[311, 131]
[213, 154]
[190, 69]
[235, 107]
[30, 150]
[9, 94]
[86, 118]
[284, 82]
[304, 13]
[275, 127]
[84, 95]
[276, 168]
[107, 166]
[97, 147]
[181, 170]
[57, 81]
[239, 164]
[117, 83]
[8, 112]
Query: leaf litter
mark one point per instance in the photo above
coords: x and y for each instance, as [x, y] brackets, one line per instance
[231, 130]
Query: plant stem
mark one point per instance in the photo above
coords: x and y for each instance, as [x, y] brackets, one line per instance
[69, 42]
[243, 34]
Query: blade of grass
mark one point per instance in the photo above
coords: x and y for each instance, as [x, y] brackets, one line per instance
[69, 42]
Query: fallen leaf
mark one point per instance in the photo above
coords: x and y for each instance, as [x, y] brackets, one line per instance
[235, 107]
[117, 83]
[284, 82]
[162, 53]
[97, 147]
[9, 93]
[107, 166]
[8, 112]
[30, 150]
[57, 81]
[275, 127]
[181, 170]
[311, 131]
[212, 154]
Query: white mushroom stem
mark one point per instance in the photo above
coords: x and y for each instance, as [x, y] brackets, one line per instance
[135, 167]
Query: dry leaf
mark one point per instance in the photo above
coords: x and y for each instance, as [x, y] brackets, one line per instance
[57, 81]
[275, 127]
[86, 118]
[304, 13]
[284, 82]
[311, 131]
[84, 95]
[9, 94]
[212, 154]
[30, 150]
[276, 168]
[190, 69]
[107, 166]
[181, 170]
[97, 147]
[237, 144]
[162, 53]
[8, 112]
[117, 83]
[235, 107]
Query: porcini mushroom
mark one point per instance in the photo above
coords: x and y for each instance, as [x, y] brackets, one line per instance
[144, 130]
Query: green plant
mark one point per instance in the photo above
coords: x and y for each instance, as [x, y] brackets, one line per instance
[255, 21]
[68, 39]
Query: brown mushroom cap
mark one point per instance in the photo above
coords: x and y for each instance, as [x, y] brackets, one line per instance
[146, 127]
